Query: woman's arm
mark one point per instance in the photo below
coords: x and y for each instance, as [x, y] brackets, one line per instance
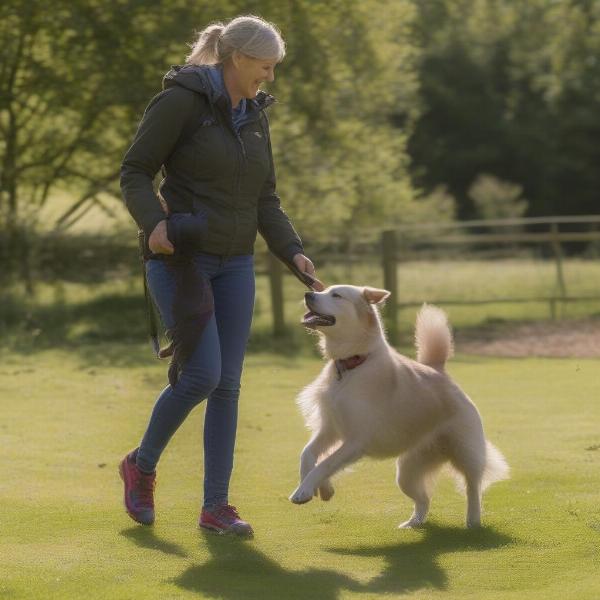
[161, 127]
[276, 228]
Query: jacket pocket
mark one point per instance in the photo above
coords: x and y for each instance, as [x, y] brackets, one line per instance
[186, 231]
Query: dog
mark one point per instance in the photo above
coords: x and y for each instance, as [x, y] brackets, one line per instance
[369, 400]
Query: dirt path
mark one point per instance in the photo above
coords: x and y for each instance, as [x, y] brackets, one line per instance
[580, 339]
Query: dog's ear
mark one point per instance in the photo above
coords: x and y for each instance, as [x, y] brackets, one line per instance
[375, 295]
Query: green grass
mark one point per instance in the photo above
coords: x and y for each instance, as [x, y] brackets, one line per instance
[112, 308]
[67, 417]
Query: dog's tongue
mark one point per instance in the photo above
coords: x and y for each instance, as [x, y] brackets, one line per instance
[310, 317]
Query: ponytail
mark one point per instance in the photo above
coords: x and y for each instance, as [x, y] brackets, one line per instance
[206, 49]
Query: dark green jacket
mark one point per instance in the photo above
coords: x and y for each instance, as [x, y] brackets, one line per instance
[208, 167]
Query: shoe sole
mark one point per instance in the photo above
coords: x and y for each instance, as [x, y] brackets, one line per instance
[132, 515]
[221, 531]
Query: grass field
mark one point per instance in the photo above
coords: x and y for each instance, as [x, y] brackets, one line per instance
[67, 417]
[112, 307]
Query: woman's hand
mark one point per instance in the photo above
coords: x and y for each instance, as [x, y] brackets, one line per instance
[158, 242]
[305, 265]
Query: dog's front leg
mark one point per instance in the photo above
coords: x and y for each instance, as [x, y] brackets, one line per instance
[347, 453]
[318, 444]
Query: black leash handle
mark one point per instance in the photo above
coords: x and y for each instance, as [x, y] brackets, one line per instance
[150, 313]
[305, 278]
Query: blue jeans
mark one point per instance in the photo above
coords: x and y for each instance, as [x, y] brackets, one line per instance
[213, 371]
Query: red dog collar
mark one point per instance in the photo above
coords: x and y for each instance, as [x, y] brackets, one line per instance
[347, 364]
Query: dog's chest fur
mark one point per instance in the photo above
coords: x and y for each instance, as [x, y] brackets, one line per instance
[347, 399]
[380, 402]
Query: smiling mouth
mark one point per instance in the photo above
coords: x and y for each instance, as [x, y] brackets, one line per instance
[314, 319]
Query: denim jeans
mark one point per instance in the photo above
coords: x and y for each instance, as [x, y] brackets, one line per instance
[213, 371]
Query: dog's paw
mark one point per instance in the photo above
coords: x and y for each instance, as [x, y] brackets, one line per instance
[411, 524]
[301, 496]
[474, 524]
[326, 492]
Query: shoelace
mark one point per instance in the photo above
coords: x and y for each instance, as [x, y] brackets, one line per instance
[227, 511]
[145, 489]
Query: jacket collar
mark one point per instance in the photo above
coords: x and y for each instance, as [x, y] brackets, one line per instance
[207, 80]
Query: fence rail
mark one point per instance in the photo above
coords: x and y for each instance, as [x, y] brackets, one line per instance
[393, 245]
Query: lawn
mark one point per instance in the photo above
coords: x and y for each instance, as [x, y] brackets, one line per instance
[74, 311]
[67, 417]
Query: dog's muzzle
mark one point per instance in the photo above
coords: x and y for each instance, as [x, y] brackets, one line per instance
[313, 318]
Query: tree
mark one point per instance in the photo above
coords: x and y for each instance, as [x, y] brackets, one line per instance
[511, 89]
[77, 77]
[72, 85]
[341, 166]
[496, 199]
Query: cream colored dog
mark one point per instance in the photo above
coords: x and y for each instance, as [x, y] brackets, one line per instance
[371, 401]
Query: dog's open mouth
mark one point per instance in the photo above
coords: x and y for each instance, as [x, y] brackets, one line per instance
[315, 319]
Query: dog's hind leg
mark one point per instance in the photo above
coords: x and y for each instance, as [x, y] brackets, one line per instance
[320, 442]
[473, 501]
[467, 452]
[469, 459]
[416, 472]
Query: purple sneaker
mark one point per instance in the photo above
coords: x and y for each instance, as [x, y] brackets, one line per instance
[139, 490]
[225, 519]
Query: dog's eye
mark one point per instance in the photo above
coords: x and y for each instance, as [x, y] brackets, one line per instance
[335, 295]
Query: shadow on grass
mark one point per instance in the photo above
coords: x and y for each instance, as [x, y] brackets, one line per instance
[236, 570]
[145, 537]
[413, 566]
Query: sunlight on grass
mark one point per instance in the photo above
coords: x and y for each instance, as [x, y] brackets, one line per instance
[69, 310]
[72, 415]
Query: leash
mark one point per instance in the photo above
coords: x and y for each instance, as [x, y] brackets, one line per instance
[305, 278]
[150, 312]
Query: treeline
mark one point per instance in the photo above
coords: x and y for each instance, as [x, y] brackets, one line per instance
[388, 112]
[509, 88]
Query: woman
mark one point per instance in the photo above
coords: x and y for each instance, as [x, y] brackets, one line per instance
[208, 131]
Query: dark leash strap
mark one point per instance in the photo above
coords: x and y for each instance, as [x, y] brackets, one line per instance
[305, 278]
[151, 320]
[150, 312]
[193, 306]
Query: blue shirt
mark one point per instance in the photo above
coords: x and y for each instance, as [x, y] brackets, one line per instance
[238, 112]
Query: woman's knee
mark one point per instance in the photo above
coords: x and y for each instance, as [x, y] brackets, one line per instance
[197, 383]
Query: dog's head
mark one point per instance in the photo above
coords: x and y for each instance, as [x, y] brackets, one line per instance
[343, 308]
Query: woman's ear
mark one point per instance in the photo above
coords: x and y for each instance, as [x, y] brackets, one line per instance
[375, 295]
[236, 58]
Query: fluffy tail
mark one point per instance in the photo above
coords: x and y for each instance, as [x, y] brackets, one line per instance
[496, 467]
[433, 337]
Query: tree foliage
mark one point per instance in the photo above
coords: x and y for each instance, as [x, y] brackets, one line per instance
[77, 77]
[387, 110]
[510, 89]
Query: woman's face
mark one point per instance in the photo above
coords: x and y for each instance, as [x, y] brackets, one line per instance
[251, 73]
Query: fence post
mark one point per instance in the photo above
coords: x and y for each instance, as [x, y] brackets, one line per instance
[560, 278]
[276, 285]
[390, 282]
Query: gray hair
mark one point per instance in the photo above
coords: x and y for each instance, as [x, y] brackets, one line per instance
[249, 35]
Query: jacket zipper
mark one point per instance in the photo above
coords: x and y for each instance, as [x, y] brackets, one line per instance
[240, 164]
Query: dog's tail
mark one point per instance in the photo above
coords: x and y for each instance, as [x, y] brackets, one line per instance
[496, 467]
[433, 337]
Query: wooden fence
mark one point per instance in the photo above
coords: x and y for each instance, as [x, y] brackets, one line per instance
[390, 247]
